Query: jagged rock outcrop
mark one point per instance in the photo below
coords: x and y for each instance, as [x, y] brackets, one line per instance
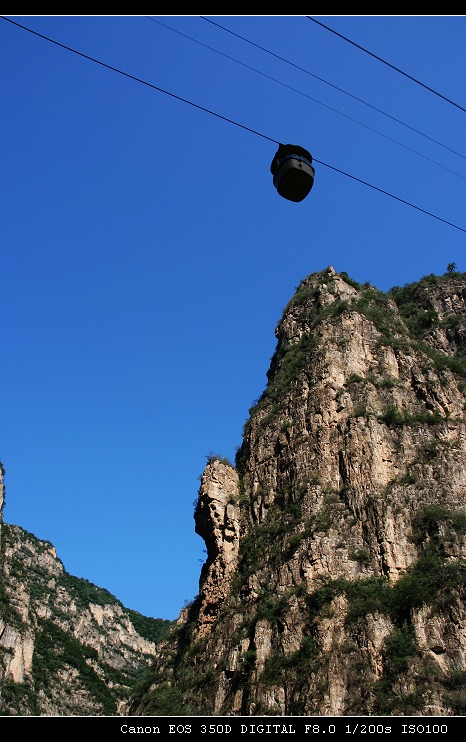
[218, 523]
[335, 575]
[67, 647]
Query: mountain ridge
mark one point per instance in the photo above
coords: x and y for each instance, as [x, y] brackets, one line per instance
[335, 575]
[67, 647]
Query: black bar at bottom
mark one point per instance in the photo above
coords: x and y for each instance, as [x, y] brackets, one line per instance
[123, 727]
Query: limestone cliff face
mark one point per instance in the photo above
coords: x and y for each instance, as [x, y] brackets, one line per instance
[67, 647]
[335, 577]
[218, 521]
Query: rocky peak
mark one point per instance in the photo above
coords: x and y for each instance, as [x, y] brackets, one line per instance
[334, 581]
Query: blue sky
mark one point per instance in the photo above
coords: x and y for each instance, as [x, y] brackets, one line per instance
[147, 257]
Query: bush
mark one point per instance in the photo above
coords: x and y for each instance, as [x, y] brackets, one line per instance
[211, 456]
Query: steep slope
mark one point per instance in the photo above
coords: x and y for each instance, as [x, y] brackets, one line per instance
[67, 647]
[335, 577]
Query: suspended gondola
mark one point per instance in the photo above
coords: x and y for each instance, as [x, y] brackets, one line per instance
[293, 174]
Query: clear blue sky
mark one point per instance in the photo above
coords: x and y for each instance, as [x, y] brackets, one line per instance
[146, 256]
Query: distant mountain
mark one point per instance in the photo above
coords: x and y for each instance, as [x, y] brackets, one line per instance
[67, 647]
[335, 575]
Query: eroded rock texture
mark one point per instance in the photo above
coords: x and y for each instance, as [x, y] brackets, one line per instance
[67, 647]
[334, 581]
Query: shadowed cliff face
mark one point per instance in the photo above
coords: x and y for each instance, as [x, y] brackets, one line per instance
[334, 581]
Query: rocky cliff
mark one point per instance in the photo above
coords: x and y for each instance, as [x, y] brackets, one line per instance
[67, 647]
[335, 575]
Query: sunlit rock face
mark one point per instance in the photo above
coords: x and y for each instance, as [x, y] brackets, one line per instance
[218, 521]
[335, 570]
[67, 647]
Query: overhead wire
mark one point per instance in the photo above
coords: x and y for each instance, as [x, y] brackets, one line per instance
[332, 85]
[384, 61]
[136, 79]
[305, 95]
[380, 190]
[217, 115]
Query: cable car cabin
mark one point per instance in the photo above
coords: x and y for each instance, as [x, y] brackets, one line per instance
[293, 174]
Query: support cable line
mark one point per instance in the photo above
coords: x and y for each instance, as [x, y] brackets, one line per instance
[321, 79]
[217, 115]
[136, 79]
[387, 63]
[386, 193]
[305, 95]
